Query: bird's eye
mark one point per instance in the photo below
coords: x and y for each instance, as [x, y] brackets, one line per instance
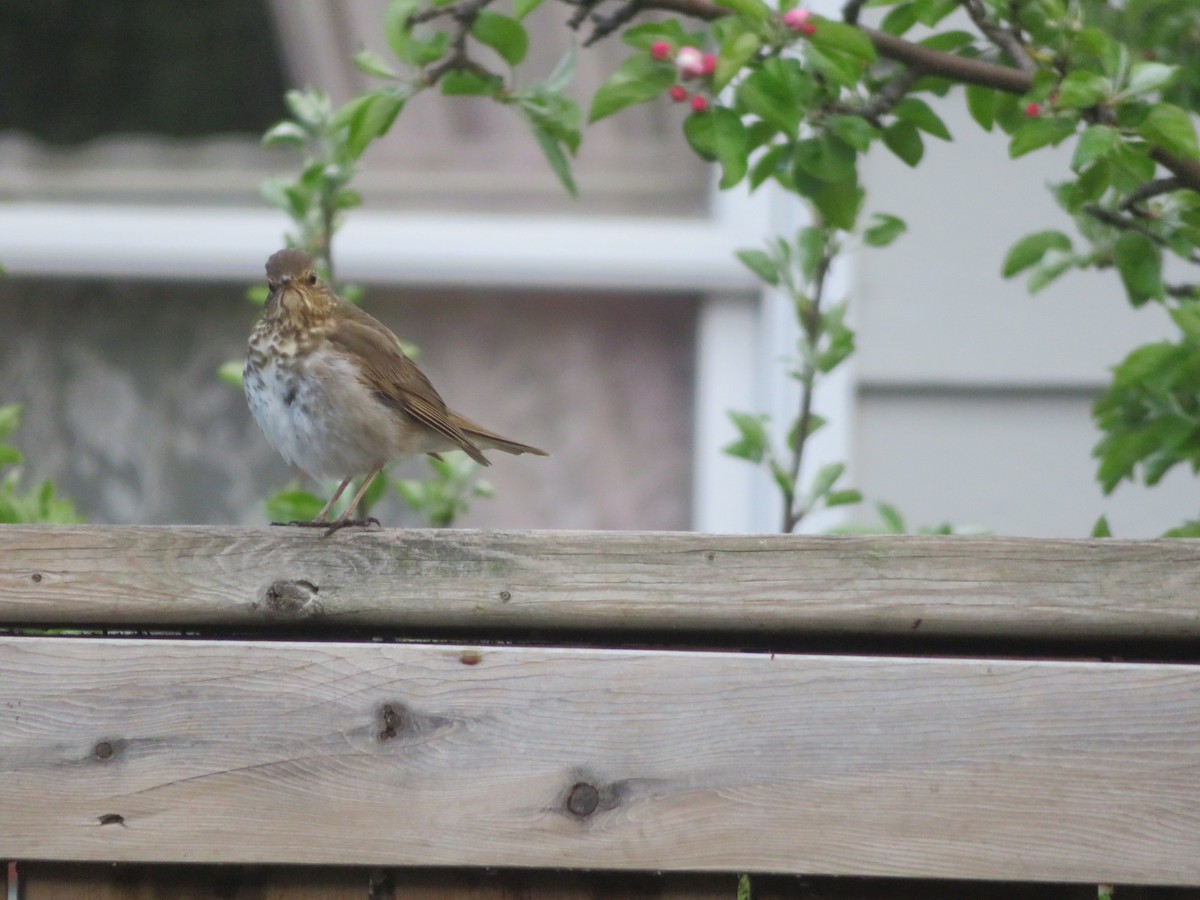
[312, 279]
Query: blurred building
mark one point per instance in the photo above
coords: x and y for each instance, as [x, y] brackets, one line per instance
[614, 329]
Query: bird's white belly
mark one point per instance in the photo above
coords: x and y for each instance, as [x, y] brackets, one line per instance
[328, 426]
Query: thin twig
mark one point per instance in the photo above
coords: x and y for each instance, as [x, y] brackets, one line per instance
[810, 322]
[1152, 189]
[580, 15]
[1008, 41]
[606, 25]
[851, 10]
[1124, 223]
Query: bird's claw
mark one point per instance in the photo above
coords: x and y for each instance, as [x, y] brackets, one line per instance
[331, 527]
[352, 523]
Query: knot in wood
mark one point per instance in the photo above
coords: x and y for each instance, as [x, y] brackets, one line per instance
[583, 799]
[392, 719]
[103, 750]
[292, 598]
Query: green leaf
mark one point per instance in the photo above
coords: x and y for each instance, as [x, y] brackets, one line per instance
[854, 130]
[948, 41]
[840, 68]
[1096, 142]
[1139, 261]
[1101, 529]
[371, 63]
[1082, 89]
[643, 36]
[638, 79]
[903, 139]
[503, 34]
[293, 505]
[553, 151]
[285, 134]
[1029, 250]
[1037, 133]
[831, 35]
[753, 443]
[838, 202]
[761, 265]
[981, 103]
[893, 522]
[10, 419]
[1145, 77]
[371, 119]
[9, 456]
[845, 497]
[1053, 265]
[465, 83]
[772, 99]
[825, 478]
[563, 75]
[920, 114]
[899, 19]
[812, 242]
[884, 229]
[930, 12]
[826, 158]
[1190, 529]
[308, 106]
[737, 50]
[1171, 128]
[522, 8]
[772, 164]
[752, 9]
[231, 372]
[719, 134]
[395, 26]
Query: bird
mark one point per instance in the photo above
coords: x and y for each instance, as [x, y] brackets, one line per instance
[334, 393]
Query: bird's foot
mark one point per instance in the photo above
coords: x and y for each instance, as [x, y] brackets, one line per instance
[351, 523]
[331, 527]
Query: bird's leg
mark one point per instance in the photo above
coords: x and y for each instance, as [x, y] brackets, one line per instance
[319, 521]
[332, 500]
[345, 519]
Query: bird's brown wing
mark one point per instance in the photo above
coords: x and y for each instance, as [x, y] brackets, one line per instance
[394, 378]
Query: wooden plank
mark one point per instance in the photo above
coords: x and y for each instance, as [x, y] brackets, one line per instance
[394, 754]
[677, 583]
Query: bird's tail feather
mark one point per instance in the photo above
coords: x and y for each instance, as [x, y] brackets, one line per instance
[489, 440]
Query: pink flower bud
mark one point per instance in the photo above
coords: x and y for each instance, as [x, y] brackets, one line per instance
[1033, 110]
[660, 50]
[689, 62]
[677, 93]
[709, 65]
[799, 20]
[699, 104]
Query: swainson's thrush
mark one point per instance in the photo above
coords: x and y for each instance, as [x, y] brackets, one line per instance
[337, 397]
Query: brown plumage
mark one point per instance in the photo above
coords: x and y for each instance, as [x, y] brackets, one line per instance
[334, 393]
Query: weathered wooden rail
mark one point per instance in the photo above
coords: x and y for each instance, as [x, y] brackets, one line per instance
[951, 708]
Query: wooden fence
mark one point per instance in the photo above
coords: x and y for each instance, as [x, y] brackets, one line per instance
[569, 715]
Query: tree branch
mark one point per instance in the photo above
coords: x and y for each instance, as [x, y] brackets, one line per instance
[1008, 41]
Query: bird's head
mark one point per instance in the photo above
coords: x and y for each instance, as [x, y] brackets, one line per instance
[296, 290]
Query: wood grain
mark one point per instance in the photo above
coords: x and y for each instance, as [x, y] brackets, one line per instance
[675, 583]
[396, 754]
